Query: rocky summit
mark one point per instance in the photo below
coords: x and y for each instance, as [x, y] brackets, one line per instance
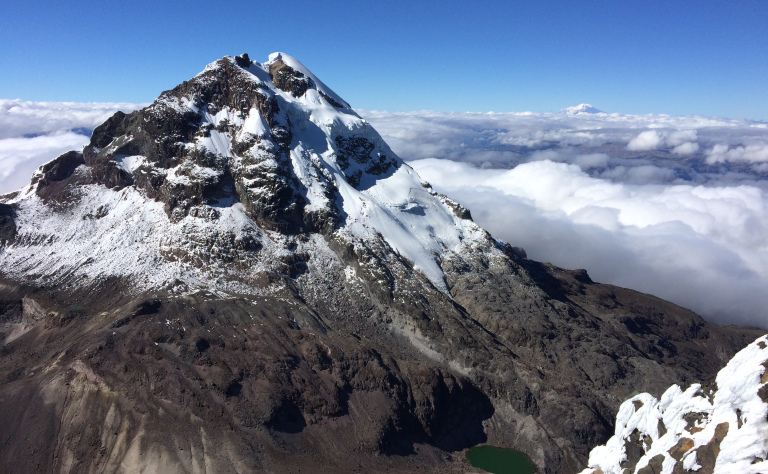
[244, 277]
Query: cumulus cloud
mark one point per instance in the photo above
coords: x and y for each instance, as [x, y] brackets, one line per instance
[752, 153]
[682, 141]
[20, 118]
[647, 140]
[33, 133]
[686, 148]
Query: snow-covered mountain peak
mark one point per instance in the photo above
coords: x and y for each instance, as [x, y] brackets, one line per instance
[240, 150]
[581, 109]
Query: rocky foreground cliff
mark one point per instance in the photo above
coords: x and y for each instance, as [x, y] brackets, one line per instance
[244, 277]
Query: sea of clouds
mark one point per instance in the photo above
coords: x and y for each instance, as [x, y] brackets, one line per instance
[673, 206]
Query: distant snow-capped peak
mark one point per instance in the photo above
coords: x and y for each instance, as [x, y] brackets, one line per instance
[581, 109]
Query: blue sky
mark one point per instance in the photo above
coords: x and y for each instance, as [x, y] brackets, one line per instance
[679, 57]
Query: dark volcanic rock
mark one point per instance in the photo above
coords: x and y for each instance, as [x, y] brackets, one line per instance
[7, 224]
[163, 132]
[332, 101]
[250, 382]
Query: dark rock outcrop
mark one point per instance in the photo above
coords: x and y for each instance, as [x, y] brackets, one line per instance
[60, 168]
[288, 79]
[243, 60]
[7, 224]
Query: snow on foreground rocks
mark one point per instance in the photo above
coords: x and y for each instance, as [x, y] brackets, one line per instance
[724, 430]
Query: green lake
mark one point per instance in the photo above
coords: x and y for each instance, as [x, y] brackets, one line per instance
[499, 460]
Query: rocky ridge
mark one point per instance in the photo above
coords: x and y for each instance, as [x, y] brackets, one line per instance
[243, 276]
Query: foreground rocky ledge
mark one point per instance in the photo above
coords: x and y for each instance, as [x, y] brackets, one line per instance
[721, 427]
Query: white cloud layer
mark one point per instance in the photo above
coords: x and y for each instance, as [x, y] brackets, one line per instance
[682, 213]
[641, 149]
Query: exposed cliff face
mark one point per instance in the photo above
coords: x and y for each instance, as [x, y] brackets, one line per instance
[244, 276]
